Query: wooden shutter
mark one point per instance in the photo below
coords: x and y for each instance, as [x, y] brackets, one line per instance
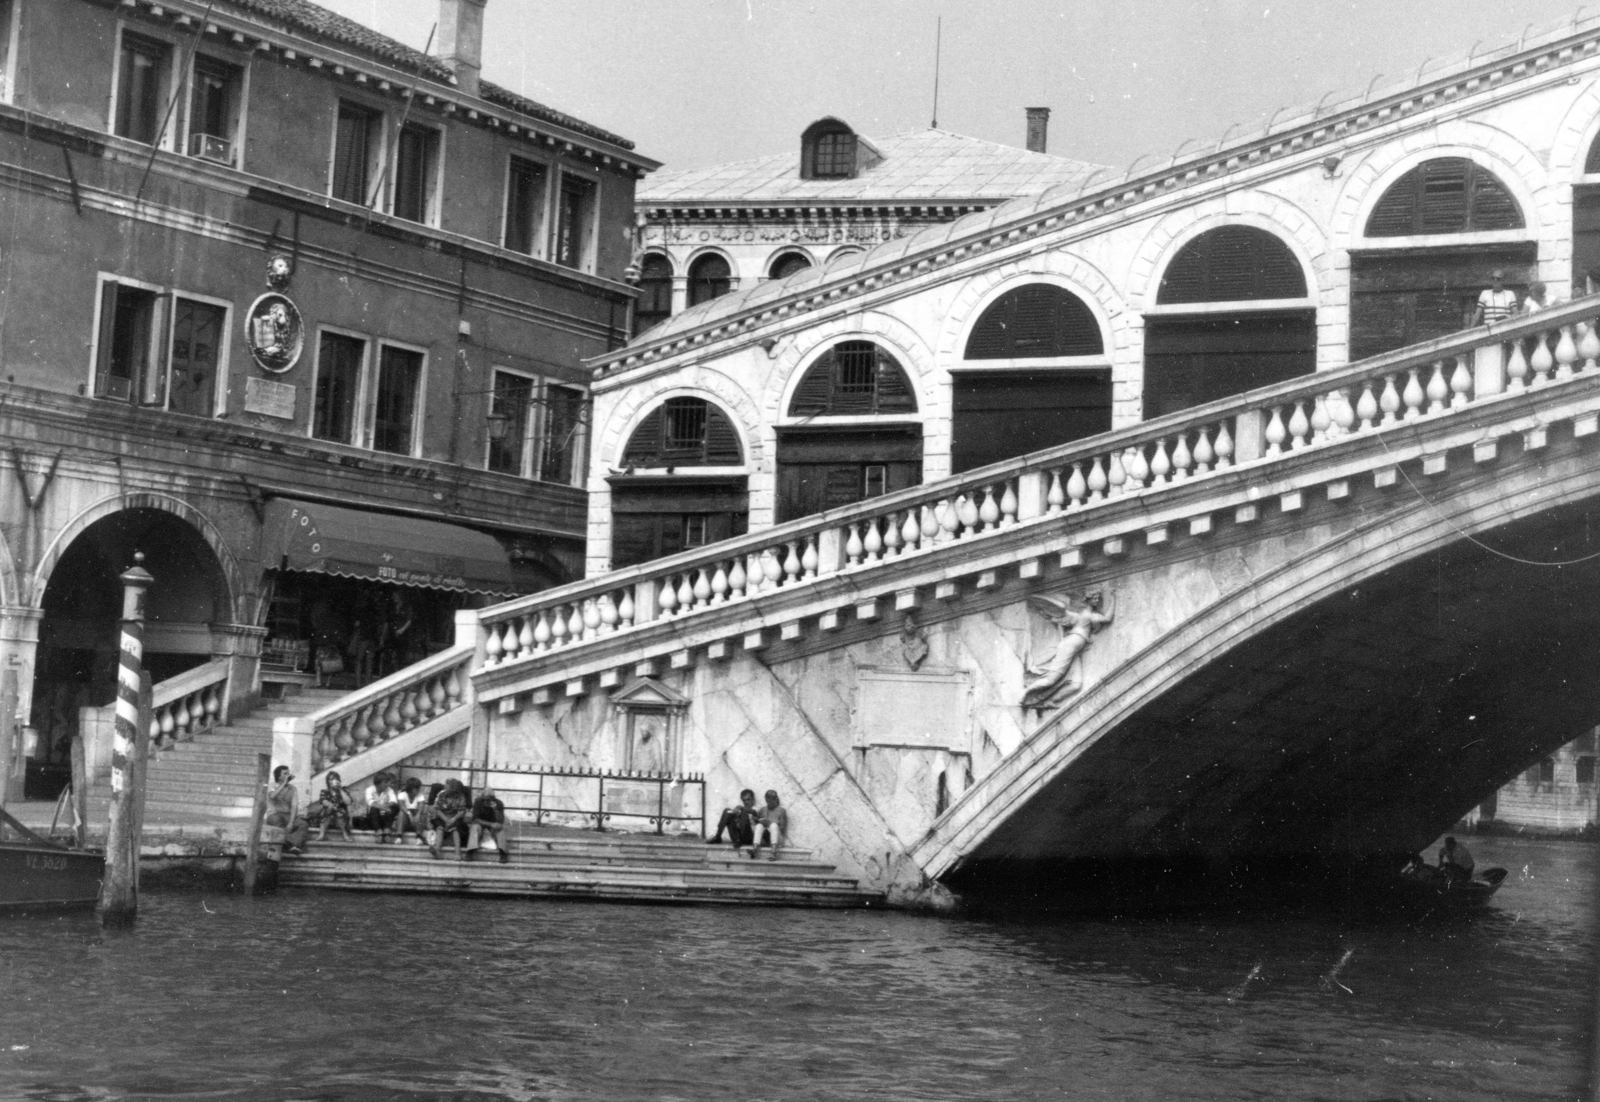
[107, 385]
[645, 443]
[722, 442]
[1232, 264]
[1445, 195]
[811, 396]
[894, 389]
[1035, 321]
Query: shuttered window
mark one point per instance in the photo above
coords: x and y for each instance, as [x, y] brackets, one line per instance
[1035, 321]
[709, 278]
[1232, 264]
[1000, 414]
[1444, 195]
[787, 264]
[853, 377]
[686, 432]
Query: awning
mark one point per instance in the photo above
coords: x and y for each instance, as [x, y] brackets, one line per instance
[349, 543]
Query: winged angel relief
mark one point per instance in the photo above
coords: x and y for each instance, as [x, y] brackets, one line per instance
[1051, 679]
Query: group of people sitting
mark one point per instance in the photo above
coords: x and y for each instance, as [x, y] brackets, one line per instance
[448, 812]
[743, 820]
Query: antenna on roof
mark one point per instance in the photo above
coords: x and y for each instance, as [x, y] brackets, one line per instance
[938, 41]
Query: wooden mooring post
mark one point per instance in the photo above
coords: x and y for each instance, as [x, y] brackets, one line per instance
[252, 859]
[119, 891]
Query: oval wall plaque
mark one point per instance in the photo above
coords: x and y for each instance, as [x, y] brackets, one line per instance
[274, 332]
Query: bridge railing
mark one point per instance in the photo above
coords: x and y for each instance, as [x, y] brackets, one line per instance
[1426, 380]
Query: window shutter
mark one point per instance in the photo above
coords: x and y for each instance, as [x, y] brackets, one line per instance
[1232, 264]
[1445, 195]
[811, 396]
[1033, 321]
[1396, 212]
[894, 389]
[645, 443]
[1493, 208]
[722, 442]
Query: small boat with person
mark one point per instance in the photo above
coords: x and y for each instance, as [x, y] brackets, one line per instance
[37, 874]
[1443, 887]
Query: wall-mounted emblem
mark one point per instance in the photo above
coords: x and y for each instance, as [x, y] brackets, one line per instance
[274, 332]
[280, 269]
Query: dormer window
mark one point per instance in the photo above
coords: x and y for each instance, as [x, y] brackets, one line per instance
[828, 151]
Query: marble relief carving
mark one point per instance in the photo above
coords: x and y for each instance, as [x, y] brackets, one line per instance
[1051, 679]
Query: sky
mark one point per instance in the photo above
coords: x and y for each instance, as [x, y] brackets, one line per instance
[701, 82]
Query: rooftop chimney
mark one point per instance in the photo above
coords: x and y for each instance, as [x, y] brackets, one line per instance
[1038, 128]
[461, 40]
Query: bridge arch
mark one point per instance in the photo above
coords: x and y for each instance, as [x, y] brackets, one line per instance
[1210, 634]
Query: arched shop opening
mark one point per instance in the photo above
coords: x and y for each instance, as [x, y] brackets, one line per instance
[1232, 313]
[848, 437]
[353, 596]
[1432, 243]
[79, 633]
[674, 490]
[1035, 374]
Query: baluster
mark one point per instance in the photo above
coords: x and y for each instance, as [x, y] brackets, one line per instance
[1516, 369]
[950, 519]
[1299, 426]
[1413, 395]
[931, 529]
[1541, 361]
[452, 686]
[1055, 497]
[181, 717]
[372, 728]
[1566, 353]
[423, 699]
[525, 636]
[1008, 505]
[1389, 401]
[591, 619]
[967, 513]
[1344, 415]
[1117, 475]
[1438, 388]
[891, 537]
[719, 585]
[1077, 487]
[1321, 420]
[989, 511]
[626, 609]
[392, 721]
[873, 544]
[1366, 406]
[492, 649]
[1137, 467]
[911, 531]
[608, 614]
[1460, 384]
[685, 592]
[1097, 481]
[541, 632]
[1276, 432]
[1182, 458]
[1224, 447]
[575, 623]
[757, 574]
[853, 547]
[1589, 347]
[1160, 465]
[1203, 455]
[213, 705]
[169, 723]
[155, 728]
[666, 600]
[408, 708]
[702, 588]
[791, 565]
[771, 568]
[437, 694]
[810, 560]
[737, 578]
[558, 627]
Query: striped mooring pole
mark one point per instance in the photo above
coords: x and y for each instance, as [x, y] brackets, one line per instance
[119, 891]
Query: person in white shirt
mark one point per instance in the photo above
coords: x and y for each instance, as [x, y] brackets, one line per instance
[1497, 303]
[383, 805]
[1536, 299]
[413, 813]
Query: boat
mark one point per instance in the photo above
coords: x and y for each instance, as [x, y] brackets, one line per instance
[1426, 886]
[37, 874]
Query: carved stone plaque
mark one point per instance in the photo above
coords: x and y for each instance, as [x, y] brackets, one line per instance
[269, 398]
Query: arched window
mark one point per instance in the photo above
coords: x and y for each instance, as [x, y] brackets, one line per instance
[827, 151]
[655, 293]
[1444, 195]
[1035, 321]
[1232, 264]
[1196, 356]
[841, 254]
[853, 377]
[787, 264]
[709, 278]
[684, 432]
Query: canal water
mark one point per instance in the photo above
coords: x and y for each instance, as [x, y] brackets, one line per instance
[359, 996]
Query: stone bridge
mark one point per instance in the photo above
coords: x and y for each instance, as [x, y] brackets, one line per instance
[1333, 615]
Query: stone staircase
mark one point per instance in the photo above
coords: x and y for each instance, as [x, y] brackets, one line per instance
[214, 775]
[569, 863]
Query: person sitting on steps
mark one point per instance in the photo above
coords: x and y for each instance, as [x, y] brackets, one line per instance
[412, 813]
[383, 805]
[488, 817]
[333, 806]
[738, 821]
[450, 817]
[774, 827]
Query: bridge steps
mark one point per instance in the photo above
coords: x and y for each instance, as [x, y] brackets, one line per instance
[577, 864]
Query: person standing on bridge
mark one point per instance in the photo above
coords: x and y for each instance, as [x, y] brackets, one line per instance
[1497, 303]
[1456, 861]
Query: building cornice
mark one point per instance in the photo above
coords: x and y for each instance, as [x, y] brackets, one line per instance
[1287, 146]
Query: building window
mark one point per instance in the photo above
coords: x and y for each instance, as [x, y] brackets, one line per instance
[340, 361]
[543, 436]
[214, 100]
[827, 151]
[513, 398]
[709, 278]
[1586, 769]
[1547, 771]
[1232, 264]
[141, 88]
[394, 413]
[685, 432]
[787, 264]
[524, 205]
[574, 222]
[198, 332]
[354, 152]
[415, 173]
[655, 293]
[561, 450]
[1444, 195]
[1033, 322]
[853, 377]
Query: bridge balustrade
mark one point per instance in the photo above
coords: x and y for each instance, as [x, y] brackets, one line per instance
[1436, 379]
